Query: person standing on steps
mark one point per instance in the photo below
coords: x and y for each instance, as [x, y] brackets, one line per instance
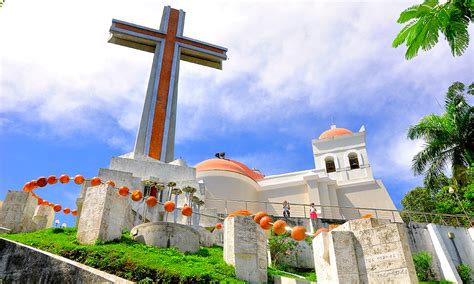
[286, 209]
[313, 216]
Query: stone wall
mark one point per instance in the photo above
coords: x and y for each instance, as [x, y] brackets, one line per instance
[23, 264]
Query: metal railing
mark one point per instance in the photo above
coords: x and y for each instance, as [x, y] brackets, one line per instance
[342, 213]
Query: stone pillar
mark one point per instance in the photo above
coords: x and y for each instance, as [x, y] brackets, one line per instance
[103, 216]
[44, 217]
[364, 251]
[17, 211]
[245, 248]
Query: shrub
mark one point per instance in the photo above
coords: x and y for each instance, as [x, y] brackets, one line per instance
[280, 246]
[464, 271]
[422, 262]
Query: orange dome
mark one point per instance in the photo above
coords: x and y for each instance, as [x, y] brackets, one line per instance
[334, 132]
[228, 165]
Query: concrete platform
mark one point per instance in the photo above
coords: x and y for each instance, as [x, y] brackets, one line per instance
[167, 235]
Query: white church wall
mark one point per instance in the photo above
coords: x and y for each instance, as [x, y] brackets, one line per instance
[365, 195]
[296, 194]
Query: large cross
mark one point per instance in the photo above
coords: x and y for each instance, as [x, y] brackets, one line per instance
[156, 133]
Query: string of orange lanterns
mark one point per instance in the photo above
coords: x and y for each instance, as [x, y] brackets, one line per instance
[279, 227]
[124, 191]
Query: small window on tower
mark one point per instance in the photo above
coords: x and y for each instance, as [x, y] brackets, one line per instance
[353, 161]
[330, 165]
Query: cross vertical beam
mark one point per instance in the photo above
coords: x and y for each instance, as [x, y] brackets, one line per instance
[156, 133]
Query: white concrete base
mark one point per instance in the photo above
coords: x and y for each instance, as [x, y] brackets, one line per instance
[167, 235]
[452, 252]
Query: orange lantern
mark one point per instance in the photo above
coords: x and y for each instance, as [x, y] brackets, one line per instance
[110, 182]
[136, 195]
[298, 233]
[52, 179]
[169, 206]
[319, 231]
[218, 226]
[279, 227]
[240, 213]
[259, 216]
[95, 181]
[64, 179]
[187, 211]
[123, 191]
[74, 212]
[79, 179]
[51, 205]
[151, 201]
[28, 187]
[57, 208]
[67, 210]
[40, 201]
[45, 202]
[265, 222]
[41, 182]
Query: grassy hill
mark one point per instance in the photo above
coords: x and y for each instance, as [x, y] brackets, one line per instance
[131, 260]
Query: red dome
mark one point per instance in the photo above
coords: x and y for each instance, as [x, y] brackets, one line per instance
[334, 132]
[228, 165]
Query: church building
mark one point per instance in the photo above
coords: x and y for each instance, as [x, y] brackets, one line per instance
[341, 180]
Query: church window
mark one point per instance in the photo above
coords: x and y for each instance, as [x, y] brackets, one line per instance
[353, 161]
[330, 165]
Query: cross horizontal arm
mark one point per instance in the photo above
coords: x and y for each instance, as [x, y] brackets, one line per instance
[201, 52]
[134, 36]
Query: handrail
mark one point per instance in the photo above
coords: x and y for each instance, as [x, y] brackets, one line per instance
[348, 213]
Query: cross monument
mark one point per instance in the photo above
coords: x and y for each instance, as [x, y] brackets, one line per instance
[156, 132]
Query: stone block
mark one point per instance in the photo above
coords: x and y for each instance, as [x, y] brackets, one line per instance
[103, 216]
[17, 211]
[245, 247]
[167, 235]
[364, 251]
[44, 217]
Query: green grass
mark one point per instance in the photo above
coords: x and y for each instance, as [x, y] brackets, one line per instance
[132, 260]
[307, 275]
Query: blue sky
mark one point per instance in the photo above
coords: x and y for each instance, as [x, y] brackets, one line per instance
[69, 101]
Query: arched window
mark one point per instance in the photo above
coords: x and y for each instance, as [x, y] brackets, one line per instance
[353, 161]
[330, 166]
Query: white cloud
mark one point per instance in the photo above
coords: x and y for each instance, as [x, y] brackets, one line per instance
[325, 59]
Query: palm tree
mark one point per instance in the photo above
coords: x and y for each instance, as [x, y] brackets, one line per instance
[176, 191]
[449, 138]
[425, 21]
[189, 191]
[171, 185]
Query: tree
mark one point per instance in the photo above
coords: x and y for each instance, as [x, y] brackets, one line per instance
[425, 21]
[449, 138]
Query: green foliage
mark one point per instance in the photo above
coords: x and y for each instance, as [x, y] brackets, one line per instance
[132, 260]
[280, 246]
[464, 271]
[423, 262]
[425, 21]
[449, 138]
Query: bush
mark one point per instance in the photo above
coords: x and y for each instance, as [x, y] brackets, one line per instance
[422, 262]
[280, 246]
[464, 271]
